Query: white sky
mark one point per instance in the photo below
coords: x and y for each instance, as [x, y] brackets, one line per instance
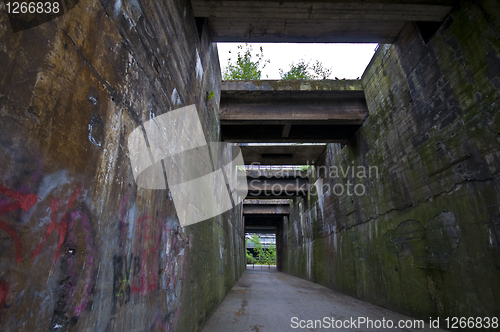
[347, 61]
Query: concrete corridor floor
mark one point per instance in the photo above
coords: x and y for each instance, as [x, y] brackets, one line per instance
[265, 300]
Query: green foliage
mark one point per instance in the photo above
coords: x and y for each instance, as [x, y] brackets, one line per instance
[250, 258]
[299, 71]
[211, 95]
[306, 71]
[271, 254]
[264, 256]
[258, 247]
[246, 68]
[320, 72]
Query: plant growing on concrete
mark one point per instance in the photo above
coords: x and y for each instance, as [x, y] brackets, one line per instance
[245, 67]
[299, 71]
[304, 168]
[306, 71]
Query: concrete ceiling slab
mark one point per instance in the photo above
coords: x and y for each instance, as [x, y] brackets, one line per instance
[369, 21]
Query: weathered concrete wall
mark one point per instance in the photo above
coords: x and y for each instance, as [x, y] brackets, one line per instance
[81, 246]
[424, 239]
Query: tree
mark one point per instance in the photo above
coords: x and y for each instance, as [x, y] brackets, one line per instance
[321, 73]
[250, 258]
[246, 68]
[299, 71]
[306, 71]
[265, 256]
[271, 255]
[258, 247]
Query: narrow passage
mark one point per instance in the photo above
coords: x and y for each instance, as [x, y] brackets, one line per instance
[265, 300]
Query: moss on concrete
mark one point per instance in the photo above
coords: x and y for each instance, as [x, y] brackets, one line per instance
[424, 240]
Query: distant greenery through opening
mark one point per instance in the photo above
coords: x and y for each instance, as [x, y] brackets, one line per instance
[260, 255]
[287, 61]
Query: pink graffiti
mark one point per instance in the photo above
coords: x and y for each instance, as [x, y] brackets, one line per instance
[59, 227]
[151, 239]
[89, 262]
[22, 201]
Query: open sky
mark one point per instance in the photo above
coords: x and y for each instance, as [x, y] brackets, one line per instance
[346, 60]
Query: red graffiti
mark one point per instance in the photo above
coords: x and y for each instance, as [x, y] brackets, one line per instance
[151, 240]
[22, 201]
[4, 291]
[59, 227]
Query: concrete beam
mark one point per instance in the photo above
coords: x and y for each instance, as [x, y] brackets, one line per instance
[268, 174]
[315, 21]
[266, 201]
[275, 209]
[277, 187]
[282, 155]
[260, 221]
[341, 86]
[314, 133]
[260, 230]
[291, 111]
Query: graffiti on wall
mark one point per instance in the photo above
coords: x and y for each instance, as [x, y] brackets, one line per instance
[152, 258]
[48, 247]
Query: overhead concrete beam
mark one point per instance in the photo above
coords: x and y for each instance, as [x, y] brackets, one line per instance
[275, 209]
[267, 201]
[277, 187]
[268, 174]
[260, 230]
[282, 155]
[315, 21]
[341, 86]
[253, 222]
[314, 133]
[292, 185]
[291, 111]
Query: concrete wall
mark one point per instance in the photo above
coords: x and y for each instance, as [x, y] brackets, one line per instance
[424, 237]
[81, 246]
